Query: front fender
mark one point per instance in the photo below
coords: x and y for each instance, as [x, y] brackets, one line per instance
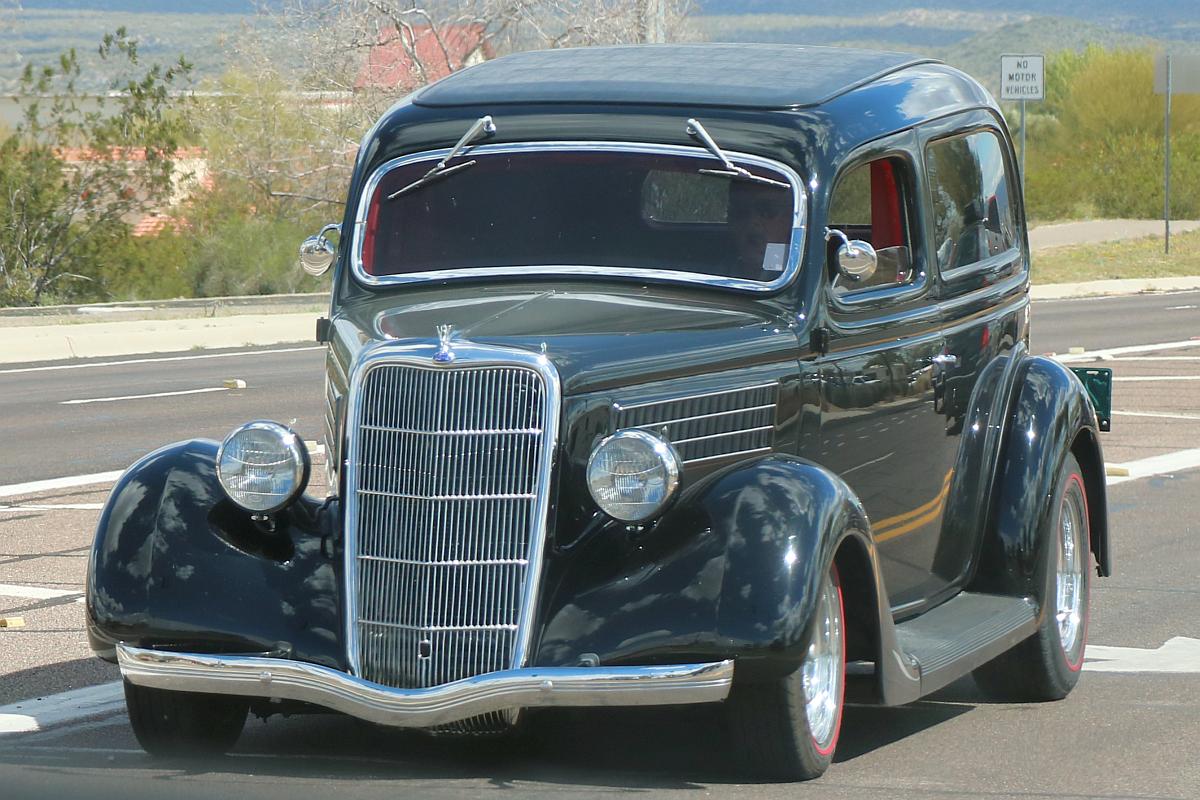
[175, 564]
[782, 519]
[1050, 418]
[732, 570]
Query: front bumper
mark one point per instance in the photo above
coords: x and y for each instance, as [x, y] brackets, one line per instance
[255, 676]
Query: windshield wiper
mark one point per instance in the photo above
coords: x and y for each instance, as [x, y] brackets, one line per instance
[483, 125]
[731, 170]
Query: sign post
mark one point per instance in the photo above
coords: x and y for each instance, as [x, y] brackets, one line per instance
[1172, 75]
[1023, 77]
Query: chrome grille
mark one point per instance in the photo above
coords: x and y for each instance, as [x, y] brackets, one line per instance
[447, 478]
[710, 426]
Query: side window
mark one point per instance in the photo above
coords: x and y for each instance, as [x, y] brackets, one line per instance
[872, 202]
[972, 209]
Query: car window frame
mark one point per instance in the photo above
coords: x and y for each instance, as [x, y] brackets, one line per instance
[900, 146]
[801, 207]
[958, 126]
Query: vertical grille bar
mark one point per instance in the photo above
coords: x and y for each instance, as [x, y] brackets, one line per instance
[446, 504]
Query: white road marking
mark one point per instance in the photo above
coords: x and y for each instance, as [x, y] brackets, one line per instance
[1155, 378]
[161, 360]
[1157, 465]
[1161, 414]
[1103, 355]
[1155, 358]
[40, 713]
[1178, 655]
[64, 506]
[144, 396]
[36, 592]
[1180, 308]
[69, 482]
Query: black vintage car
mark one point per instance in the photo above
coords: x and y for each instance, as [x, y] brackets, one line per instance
[655, 376]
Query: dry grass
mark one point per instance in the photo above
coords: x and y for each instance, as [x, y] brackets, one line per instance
[1132, 258]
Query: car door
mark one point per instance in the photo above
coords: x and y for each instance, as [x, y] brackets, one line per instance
[977, 234]
[881, 426]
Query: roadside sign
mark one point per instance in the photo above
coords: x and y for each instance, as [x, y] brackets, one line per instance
[1023, 77]
[1185, 74]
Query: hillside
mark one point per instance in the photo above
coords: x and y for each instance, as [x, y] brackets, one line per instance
[970, 40]
[1171, 19]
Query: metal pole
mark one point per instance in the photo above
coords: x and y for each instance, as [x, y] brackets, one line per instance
[1167, 167]
[1022, 151]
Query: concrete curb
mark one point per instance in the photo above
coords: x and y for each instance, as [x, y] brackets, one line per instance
[109, 338]
[1110, 288]
[133, 306]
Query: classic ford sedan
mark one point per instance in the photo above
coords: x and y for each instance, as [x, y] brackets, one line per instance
[655, 376]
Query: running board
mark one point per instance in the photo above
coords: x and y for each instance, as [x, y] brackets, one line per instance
[965, 632]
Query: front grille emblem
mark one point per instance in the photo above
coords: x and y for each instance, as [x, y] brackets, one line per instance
[444, 354]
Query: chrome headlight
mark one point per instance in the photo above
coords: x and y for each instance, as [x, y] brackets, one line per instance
[262, 466]
[632, 475]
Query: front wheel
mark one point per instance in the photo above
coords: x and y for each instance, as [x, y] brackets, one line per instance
[170, 723]
[788, 728]
[1046, 665]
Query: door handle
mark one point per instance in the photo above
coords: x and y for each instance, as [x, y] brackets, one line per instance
[944, 360]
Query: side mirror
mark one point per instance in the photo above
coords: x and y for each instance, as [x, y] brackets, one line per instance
[317, 253]
[856, 259]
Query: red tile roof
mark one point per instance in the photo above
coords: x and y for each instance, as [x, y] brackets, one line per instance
[390, 63]
[80, 154]
[154, 224]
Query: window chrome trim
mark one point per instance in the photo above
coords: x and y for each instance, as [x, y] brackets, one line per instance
[795, 246]
[468, 355]
[990, 263]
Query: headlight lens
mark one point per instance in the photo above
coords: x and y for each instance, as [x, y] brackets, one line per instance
[632, 475]
[262, 466]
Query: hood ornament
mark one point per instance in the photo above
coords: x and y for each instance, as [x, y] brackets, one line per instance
[444, 354]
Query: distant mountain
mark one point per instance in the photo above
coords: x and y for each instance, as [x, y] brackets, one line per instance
[1171, 19]
[1178, 10]
[149, 6]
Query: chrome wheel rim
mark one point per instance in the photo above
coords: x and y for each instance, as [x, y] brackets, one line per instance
[1069, 580]
[822, 670]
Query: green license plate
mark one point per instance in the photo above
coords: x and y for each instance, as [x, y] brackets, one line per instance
[1098, 383]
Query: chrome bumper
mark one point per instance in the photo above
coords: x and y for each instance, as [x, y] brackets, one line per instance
[255, 676]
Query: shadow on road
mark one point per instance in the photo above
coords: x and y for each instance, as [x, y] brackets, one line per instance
[640, 749]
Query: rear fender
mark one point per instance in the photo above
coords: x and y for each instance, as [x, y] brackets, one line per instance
[1051, 417]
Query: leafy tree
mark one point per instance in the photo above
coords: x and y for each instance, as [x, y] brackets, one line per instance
[72, 178]
[1097, 148]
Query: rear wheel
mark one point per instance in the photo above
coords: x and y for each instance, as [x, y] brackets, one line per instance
[1046, 665]
[788, 728]
[170, 723]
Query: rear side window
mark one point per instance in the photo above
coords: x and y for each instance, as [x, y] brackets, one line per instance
[972, 207]
[871, 202]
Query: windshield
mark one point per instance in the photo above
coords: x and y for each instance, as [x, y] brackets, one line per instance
[542, 210]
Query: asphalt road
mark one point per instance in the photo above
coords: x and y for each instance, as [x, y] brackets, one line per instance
[1096, 323]
[1119, 735]
[42, 424]
[42, 432]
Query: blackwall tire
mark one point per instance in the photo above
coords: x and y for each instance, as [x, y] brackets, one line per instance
[170, 723]
[1046, 666]
[788, 729]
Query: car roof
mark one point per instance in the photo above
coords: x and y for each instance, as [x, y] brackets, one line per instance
[730, 75]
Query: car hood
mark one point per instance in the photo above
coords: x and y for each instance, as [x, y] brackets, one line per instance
[597, 337]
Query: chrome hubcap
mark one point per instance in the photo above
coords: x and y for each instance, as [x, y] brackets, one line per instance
[822, 669]
[1072, 555]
